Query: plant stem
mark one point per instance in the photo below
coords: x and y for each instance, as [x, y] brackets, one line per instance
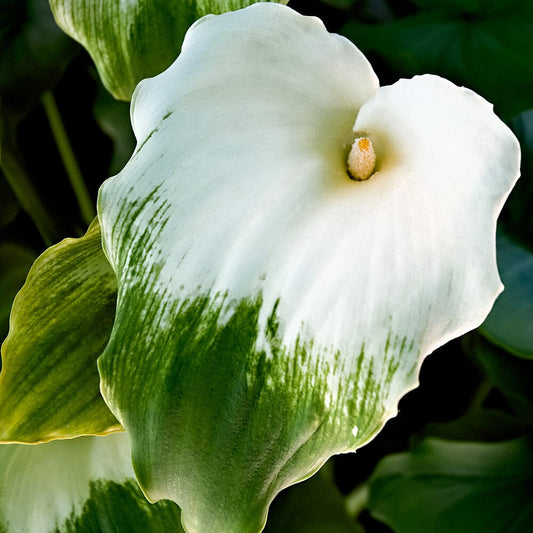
[21, 184]
[357, 500]
[69, 161]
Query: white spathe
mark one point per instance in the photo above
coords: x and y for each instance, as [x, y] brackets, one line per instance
[42, 487]
[239, 183]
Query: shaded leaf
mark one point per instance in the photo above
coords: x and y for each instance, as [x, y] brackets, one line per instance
[469, 6]
[60, 323]
[113, 117]
[510, 323]
[512, 375]
[490, 53]
[445, 486]
[488, 425]
[80, 485]
[9, 207]
[33, 52]
[130, 41]
[314, 506]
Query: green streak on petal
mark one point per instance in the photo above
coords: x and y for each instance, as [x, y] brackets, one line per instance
[122, 508]
[258, 419]
[60, 323]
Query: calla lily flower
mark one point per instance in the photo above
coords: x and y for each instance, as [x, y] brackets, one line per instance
[290, 241]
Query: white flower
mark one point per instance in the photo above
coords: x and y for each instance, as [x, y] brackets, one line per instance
[272, 311]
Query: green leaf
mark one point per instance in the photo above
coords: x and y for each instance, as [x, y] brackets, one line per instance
[15, 261]
[33, 52]
[468, 6]
[314, 506]
[512, 375]
[9, 207]
[75, 486]
[130, 41]
[456, 486]
[113, 117]
[489, 53]
[488, 425]
[60, 323]
[510, 323]
[271, 310]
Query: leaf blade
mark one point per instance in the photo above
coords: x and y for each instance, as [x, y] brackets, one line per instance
[60, 323]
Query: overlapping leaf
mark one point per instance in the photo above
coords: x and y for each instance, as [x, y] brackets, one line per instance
[80, 485]
[510, 323]
[133, 40]
[456, 486]
[60, 323]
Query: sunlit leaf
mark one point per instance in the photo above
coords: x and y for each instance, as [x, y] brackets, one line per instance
[15, 261]
[447, 486]
[133, 40]
[80, 485]
[272, 311]
[60, 323]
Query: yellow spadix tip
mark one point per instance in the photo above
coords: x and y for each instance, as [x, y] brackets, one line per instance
[361, 159]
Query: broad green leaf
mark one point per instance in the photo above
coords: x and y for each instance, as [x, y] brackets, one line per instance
[512, 375]
[272, 311]
[60, 323]
[133, 40]
[490, 53]
[15, 261]
[314, 506]
[33, 52]
[74, 486]
[446, 486]
[510, 323]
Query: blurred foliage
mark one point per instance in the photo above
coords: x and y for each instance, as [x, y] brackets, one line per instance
[314, 506]
[445, 486]
[512, 376]
[510, 323]
[485, 46]
[34, 51]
